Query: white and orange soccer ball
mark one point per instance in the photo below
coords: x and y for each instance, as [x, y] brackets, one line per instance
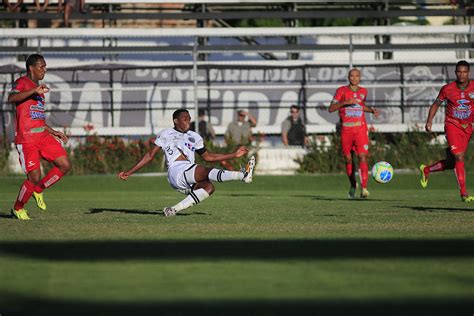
[382, 172]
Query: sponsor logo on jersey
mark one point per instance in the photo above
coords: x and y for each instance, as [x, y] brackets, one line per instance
[354, 110]
[471, 95]
[37, 115]
[190, 146]
[37, 108]
[463, 111]
[40, 101]
[463, 105]
[191, 139]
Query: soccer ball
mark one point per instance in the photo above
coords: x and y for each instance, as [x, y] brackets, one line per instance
[382, 172]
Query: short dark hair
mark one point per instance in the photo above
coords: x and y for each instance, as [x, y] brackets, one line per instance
[294, 106]
[463, 63]
[178, 112]
[201, 112]
[32, 60]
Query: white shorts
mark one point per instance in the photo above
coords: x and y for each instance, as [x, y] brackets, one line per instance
[181, 176]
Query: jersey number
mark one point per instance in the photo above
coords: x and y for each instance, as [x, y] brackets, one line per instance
[169, 150]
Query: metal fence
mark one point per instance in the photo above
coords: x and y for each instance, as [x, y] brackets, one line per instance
[135, 96]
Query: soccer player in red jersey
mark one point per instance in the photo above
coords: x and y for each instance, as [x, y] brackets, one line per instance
[350, 102]
[458, 99]
[34, 139]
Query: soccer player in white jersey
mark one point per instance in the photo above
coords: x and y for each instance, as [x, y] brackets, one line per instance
[179, 145]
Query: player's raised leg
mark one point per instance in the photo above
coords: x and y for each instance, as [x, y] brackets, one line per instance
[426, 170]
[246, 174]
[54, 152]
[200, 186]
[26, 190]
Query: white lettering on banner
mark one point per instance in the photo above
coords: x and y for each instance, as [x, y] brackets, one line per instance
[117, 95]
[228, 102]
[90, 100]
[182, 74]
[215, 75]
[59, 85]
[167, 101]
[202, 97]
[339, 74]
[288, 75]
[231, 75]
[317, 99]
[287, 99]
[368, 73]
[324, 74]
[248, 100]
[256, 75]
[140, 73]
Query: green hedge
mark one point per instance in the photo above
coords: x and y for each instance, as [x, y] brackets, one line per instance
[100, 155]
[402, 150]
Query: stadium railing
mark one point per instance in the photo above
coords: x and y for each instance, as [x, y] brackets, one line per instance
[109, 100]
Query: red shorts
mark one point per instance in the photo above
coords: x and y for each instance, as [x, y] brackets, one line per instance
[458, 138]
[355, 138]
[30, 153]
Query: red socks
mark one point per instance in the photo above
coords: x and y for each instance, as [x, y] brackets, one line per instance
[364, 173]
[53, 176]
[350, 173]
[437, 166]
[26, 190]
[461, 176]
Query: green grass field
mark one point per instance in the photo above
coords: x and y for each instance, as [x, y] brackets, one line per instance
[281, 245]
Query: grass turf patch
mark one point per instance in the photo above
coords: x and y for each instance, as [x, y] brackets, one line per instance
[280, 245]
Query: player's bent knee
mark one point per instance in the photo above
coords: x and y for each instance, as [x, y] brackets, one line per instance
[206, 185]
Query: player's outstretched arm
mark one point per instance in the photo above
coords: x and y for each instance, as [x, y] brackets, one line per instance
[431, 114]
[145, 160]
[17, 97]
[211, 157]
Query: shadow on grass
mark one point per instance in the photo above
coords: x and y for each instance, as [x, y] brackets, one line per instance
[19, 304]
[328, 198]
[139, 212]
[125, 211]
[436, 209]
[283, 249]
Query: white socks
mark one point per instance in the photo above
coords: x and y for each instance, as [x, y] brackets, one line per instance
[193, 198]
[220, 175]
